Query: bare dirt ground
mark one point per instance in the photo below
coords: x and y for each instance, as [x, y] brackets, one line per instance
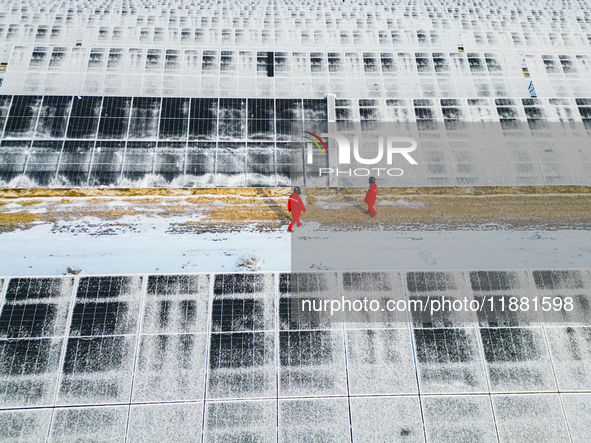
[265, 209]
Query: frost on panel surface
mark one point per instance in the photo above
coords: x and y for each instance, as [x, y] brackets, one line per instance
[101, 344]
[578, 408]
[559, 287]
[150, 141]
[319, 419]
[458, 419]
[24, 426]
[311, 346]
[242, 339]
[527, 418]
[399, 419]
[98, 424]
[32, 329]
[227, 422]
[172, 352]
[568, 333]
[168, 423]
[380, 361]
[107, 163]
[379, 352]
[446, 343]
[22, 119]
[13, 157]
[515, 351]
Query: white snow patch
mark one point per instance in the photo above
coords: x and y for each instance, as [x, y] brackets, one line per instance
[218, 203]
[400, 202]
[335, 205]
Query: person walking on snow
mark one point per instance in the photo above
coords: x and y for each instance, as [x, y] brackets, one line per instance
[295, 206]
[370, 197]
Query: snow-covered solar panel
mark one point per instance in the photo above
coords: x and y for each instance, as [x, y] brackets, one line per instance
[149, 141]
[226, 355]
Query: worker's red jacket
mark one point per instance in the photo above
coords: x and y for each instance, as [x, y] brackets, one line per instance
[295, 205]
[370, 194]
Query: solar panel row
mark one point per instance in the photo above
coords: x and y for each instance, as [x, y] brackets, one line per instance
[212, 352]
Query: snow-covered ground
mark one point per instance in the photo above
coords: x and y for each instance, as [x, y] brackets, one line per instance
[151, 248]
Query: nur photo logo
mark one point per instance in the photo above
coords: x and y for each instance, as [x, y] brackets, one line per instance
[388, 147]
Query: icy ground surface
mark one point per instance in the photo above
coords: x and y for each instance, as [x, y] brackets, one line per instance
[150, 247]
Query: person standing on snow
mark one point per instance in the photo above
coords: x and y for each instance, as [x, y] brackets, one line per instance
[370, 197]
[295, 206]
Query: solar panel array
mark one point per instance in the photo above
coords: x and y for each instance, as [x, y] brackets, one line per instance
[376, 71]
[289, 49]
[91, 141]
[223, 357]
[51, 141]
[105, 92]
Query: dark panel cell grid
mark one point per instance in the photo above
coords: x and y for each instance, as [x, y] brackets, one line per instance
[493, 280]
[302, 282]
[204, 108]
[261, 108]
[55, 106]
[305, 348]
[237, 350]
[86, 106]
[100, 287]
[24, 357]
[43, 148]
[203, 129]
[25, 106]
[116, 107]
[27, 320]
[558, 280]
[107, 163]
[170, 284]
[366, 281]
[429, 281]
[113, 128]
[237, 314]
[231, 129]
[232, 108]
[200, 159]
[289, 109]
[94, 355]
[99, 319]
[145, 107]
[53, 117]
[20, 127]
[176, 108]
[236, 284]
[82, 127]
[259, 129]
[20, 289]
[315, 109]
[508, 345]
[173, 129]
[43, 161]
[181, 346]
[442, 345]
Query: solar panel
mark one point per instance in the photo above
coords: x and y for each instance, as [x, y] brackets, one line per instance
[232, 354]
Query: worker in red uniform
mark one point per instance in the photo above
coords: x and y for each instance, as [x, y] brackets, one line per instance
[295, 206]
[370, 197]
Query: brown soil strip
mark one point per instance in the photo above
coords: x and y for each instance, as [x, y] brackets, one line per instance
[265, 209]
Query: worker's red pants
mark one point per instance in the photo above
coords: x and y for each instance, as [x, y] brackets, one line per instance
[294, 221]
[371, 209]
